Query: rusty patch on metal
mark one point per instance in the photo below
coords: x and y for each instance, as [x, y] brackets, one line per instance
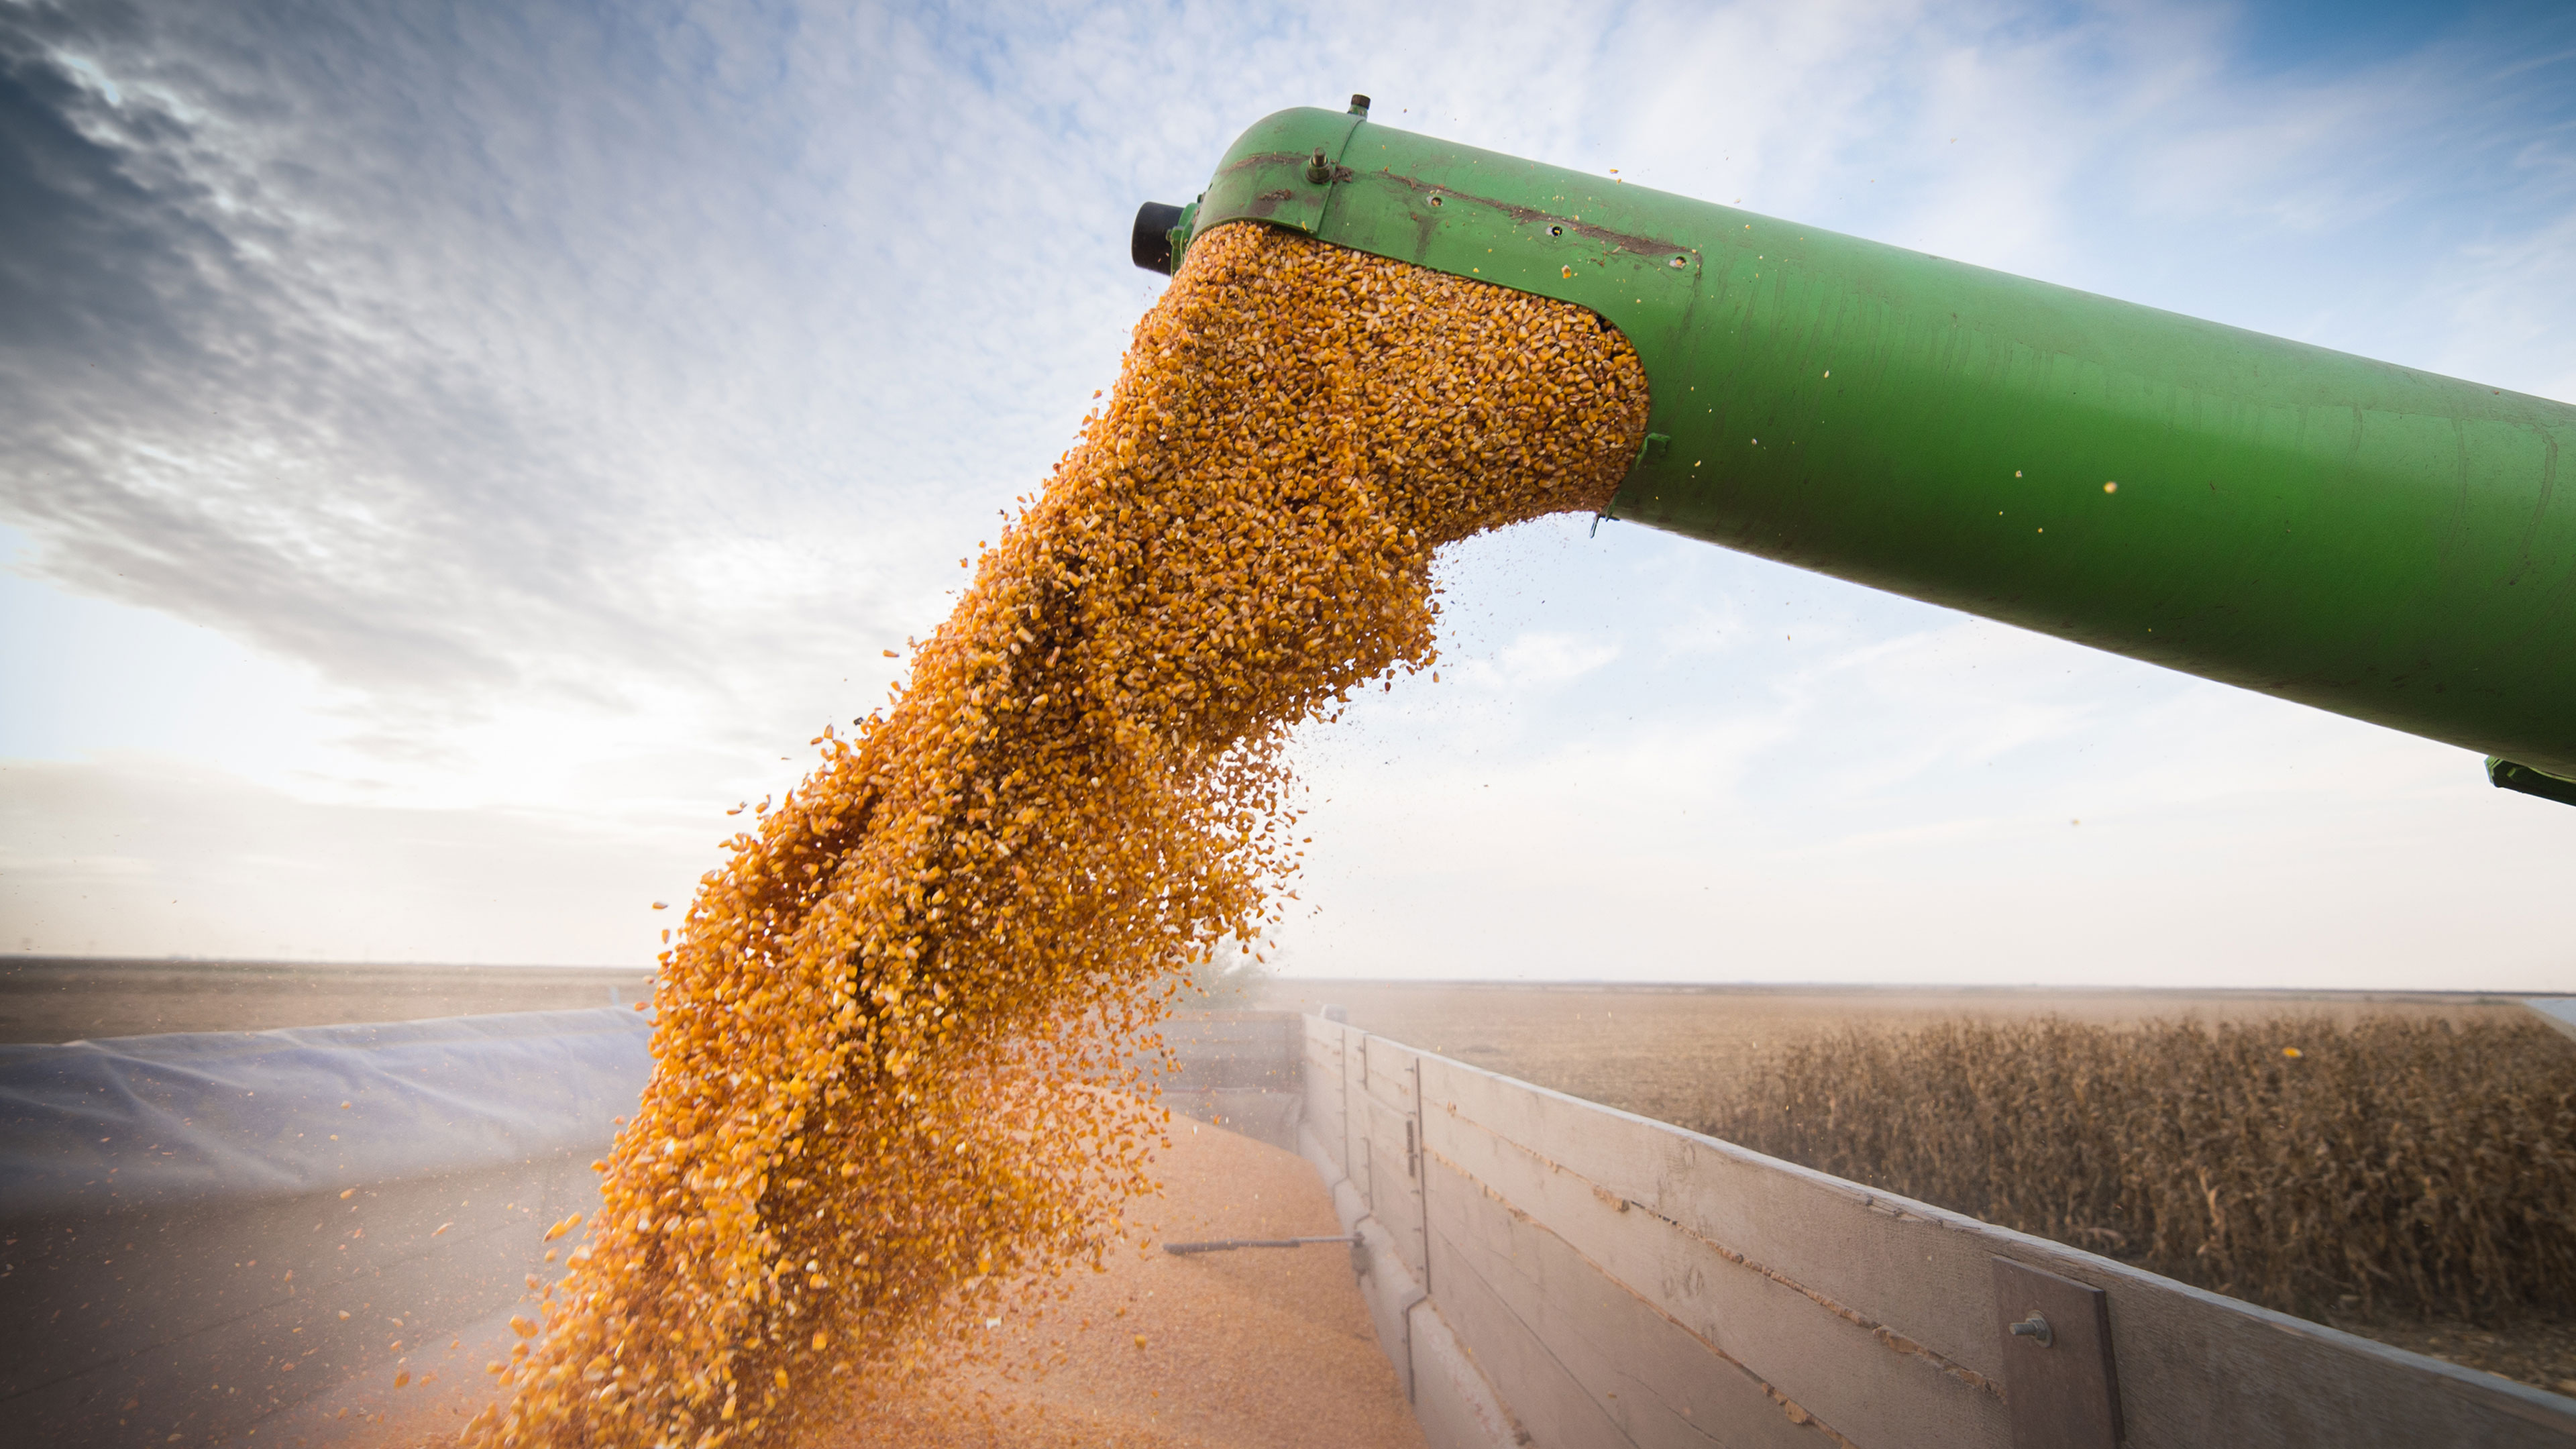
[1269, 158]
[1618, 240]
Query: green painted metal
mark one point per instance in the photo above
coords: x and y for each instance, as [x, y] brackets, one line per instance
[2506, 775]
[2362, 537]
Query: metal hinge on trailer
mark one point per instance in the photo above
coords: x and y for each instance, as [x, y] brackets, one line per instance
[2060, 1383]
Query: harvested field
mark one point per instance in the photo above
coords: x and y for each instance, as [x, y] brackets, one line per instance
[2401, 1075]
[74, 998]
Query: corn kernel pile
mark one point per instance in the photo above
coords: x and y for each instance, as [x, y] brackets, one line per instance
[892, 1033]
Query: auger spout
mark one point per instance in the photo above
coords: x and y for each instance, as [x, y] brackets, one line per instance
[2366, 538]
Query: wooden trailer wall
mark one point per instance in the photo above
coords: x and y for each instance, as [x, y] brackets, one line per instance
[1544, 1271]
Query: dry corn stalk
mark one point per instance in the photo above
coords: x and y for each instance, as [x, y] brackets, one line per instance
[889, 1052]
[2309, 1166]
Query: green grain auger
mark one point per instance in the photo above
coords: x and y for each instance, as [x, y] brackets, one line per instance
[2362, 537]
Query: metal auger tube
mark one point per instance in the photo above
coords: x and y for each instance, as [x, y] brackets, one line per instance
[2366, 538]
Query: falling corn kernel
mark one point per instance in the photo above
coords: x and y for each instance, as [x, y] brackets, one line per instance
[924, 977]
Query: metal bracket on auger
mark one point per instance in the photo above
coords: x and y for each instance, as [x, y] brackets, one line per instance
[2506, 775]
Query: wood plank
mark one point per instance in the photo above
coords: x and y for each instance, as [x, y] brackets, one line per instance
[1849, 1245]
[2194, 1368]
[1324, 1095]
[1323, 1113]
[1390, 1073]
[1387, 1118]
[1323, 1046]
[1832, 1367]
[1453, 1401]
[1625, 1373]
[1323, 1039]
[1397, 1197]
[1389, 1293]
[1355, 1156]
[1547, 1399]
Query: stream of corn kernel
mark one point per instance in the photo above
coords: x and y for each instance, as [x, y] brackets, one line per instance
[893, 1093]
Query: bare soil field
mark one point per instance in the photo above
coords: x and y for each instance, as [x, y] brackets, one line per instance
[73, 998]
[1686, 1054]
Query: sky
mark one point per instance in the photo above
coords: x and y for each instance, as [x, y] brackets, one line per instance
[451, 454]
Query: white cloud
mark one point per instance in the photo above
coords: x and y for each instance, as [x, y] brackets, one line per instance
[131, 854]
[1547, 659]
[516, 433]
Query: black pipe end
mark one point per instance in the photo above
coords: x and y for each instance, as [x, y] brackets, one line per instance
[1151, 245]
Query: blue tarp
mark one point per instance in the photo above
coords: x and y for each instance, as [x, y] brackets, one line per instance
[92, 1126]
[2560, 1011]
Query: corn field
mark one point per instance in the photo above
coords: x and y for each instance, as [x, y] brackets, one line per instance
[2381, 1166]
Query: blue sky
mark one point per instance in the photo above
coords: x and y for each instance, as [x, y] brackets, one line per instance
[451, 454]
